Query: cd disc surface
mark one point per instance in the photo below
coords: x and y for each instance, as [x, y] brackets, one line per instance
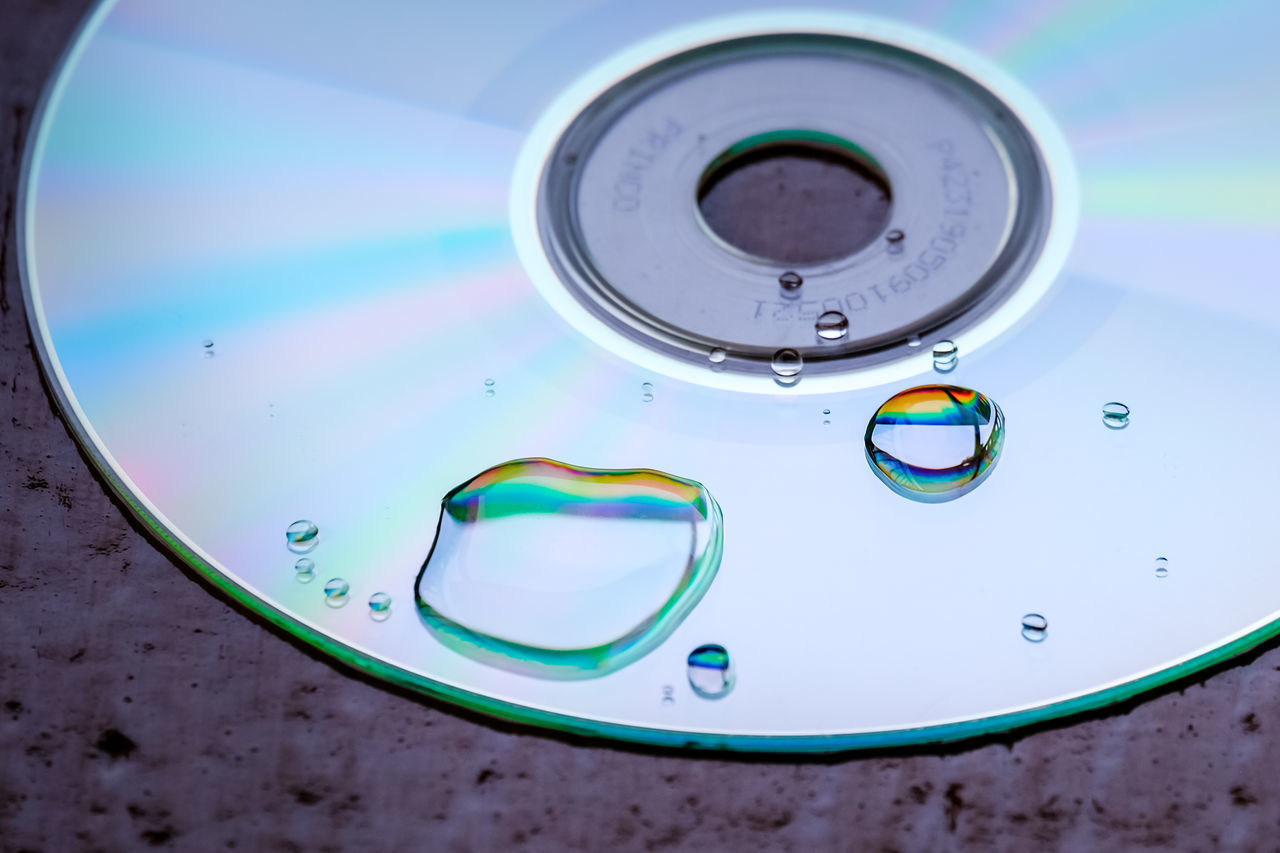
[403, 325]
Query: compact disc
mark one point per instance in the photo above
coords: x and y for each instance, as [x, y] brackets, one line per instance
[423, 332]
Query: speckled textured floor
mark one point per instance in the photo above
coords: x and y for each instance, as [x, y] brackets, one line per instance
[142, 710]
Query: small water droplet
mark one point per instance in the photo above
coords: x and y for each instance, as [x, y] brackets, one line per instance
[895, 236]
[787, 363]
[945, 356]
[1034, 627]
[207, 344]
[335, 592]
[826, 411]
[301, 536]
[913, 341]
[790, 281]
[488, 388]
[668, 695]
[832, 326]
[717, 356]
[1115, 415]
[646, 392]
[379, 606]
[710, 674]
[1162, 567]
[305, 569]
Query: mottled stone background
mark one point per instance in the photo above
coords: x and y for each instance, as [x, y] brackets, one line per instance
[141, 709]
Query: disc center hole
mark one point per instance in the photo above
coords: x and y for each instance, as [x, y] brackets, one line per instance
[795, 197]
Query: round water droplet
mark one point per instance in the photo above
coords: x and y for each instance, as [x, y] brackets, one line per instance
[913, 341]
[1162, 567]
[710, 674]
[790, 281]
[895, 236]
[489, 382]
[379, 606]
[826, 411]
[717, 356]
[787, 363]
[934, 443]
[945, 356]
[335, 592]
[1115, 415]
[207, 343]
[646, 392]
[668, 695]
[832, 326]
[1034, 627]
[304, 566]
[488, 392]
[301, 536]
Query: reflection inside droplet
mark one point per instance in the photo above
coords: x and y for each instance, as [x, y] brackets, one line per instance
[304, 569]
[1034, 627]
[565, 572]
[646, 392]
[787, 363]
[945, 356]
[710, 674]
[935, 442]
[1115, 415]
[301, 536]
[379, 606]
[717, 356]
[1162, 567]
[335, 592]
[832, 326]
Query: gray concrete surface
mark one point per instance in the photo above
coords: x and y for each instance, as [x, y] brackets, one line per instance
[139, 709]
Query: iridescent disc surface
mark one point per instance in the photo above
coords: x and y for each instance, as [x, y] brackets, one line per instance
[278, 268]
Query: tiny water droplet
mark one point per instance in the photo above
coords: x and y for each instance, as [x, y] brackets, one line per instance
[207, 344]
[1034, 627]
[304, 571]
[945, 356]
[826, 411]
[717, 356]
[790, 281]
[913, 341]
[1115, 415]
[710, 674]
[668, 695]
[895, 236]
[379, 606]
[832, 326]
[335, 592]
[787, 363]
[488, 388]
[646, 392]
[301, 536]
[1162, 567]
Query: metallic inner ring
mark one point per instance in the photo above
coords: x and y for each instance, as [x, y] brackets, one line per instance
[618, 202]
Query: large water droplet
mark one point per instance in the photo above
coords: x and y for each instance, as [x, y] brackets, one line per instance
[1115, 415]
[335, 592]
[710, 674]
[1035, 627]
[379, 606]
[787, 363]
[946, 355]
[1162, 567]
[301, 536]
[935, 442]
[565, 572]
[832, 326]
